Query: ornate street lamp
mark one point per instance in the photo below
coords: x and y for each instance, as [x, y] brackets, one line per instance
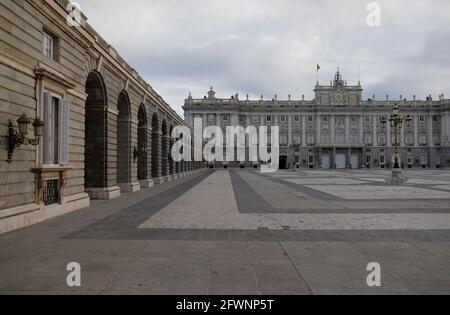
[17, 139]
[396, 121]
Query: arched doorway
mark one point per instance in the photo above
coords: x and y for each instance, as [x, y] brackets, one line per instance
[155, 147]
[164, 149]
[142, 144]
[123, 141]
[95, 154]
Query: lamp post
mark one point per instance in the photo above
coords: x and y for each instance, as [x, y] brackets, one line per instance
[396, 121]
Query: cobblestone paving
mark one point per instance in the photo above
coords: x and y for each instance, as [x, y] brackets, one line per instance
[243, 232]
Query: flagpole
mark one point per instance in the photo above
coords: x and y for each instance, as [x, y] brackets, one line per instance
[317, 73]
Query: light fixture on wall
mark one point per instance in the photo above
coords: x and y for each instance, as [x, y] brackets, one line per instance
[141, 152]
[16, 138]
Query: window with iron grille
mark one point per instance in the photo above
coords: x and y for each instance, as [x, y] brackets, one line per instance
[50, 194]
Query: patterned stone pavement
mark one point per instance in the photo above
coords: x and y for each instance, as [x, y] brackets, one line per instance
[243, 232]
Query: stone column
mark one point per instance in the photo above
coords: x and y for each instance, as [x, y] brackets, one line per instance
[361, 129]
[235, 120]
[430, 130]
[416, 130]
[219, 120]
[156, 143]
[147, 181]
[333, 129]
[375, 130]
[190, 119]
[304, 144]
[289, 118]
[204, 121]
[402, 135]
[318, 127]
[164, 155]
[347, 129]
[388, 134]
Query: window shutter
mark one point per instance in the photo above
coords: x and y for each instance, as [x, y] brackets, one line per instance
[64, 132]
[47, 129]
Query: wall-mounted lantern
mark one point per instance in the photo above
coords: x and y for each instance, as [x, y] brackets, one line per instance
[16, 139]
[141, 152]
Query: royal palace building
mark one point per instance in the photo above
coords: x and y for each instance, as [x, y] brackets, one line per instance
[338, 129]
[77, 122]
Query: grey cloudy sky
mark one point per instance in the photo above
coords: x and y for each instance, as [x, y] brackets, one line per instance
[272, 46]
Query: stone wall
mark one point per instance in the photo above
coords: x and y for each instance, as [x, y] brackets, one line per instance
[80, 55]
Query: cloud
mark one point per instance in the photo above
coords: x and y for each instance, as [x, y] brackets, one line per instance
[272, 46]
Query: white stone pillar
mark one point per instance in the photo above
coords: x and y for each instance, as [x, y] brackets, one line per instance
[204, 121]
[388, 133]
[347, 129]
[430, 130]
[219, 120]
[416, 130]
[248, 120]
[318, 127]
[237, 119]
[375, 130]
[333, 129]
[304, 144]
[402, 134]
[190, 119]
[361, 129]
[289, 118]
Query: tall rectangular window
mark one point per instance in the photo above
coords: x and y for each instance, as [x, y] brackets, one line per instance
[50, 46]
[56, 131]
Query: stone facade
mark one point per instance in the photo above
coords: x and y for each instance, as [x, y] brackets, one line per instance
[337, 129]
[106, 128]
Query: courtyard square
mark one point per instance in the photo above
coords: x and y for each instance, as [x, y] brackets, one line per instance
[240, 231]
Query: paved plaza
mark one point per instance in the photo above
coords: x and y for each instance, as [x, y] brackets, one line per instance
[245, 232]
